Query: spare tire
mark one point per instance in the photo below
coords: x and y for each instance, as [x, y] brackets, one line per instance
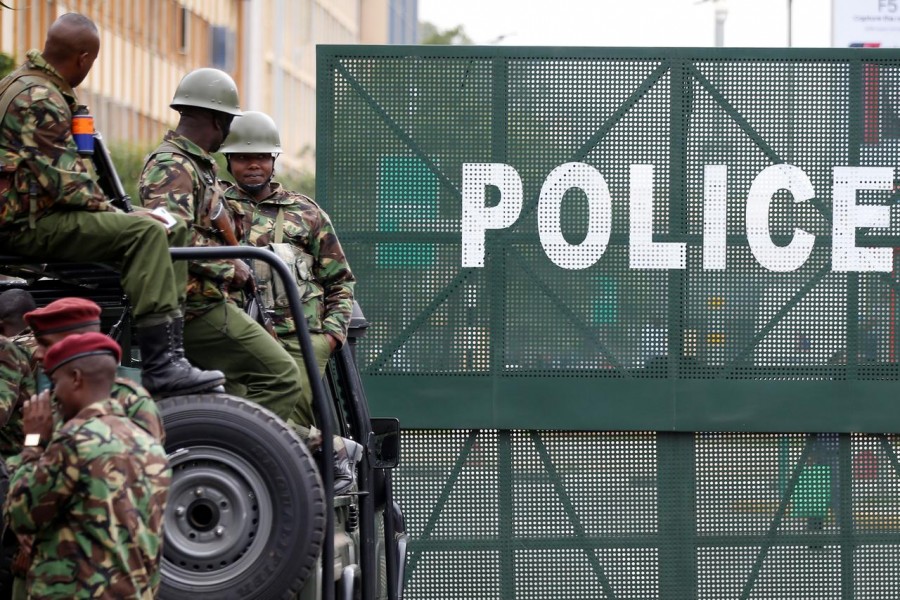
[245, 516]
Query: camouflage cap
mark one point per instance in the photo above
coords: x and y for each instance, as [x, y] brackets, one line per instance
[64, 314]
[78, 346]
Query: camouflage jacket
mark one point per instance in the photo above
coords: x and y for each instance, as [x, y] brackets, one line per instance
[170, 180]
[94, 502]
[40, 168]
[17, 384]
[140, 407]
[328, 290]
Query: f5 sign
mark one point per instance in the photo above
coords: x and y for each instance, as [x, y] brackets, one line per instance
[644, 253]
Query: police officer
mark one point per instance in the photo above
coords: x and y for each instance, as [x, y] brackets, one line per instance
[299, 231]
[51, 208]
[52, 324]
[92, 494]
[180, 175]
[274, 215]
[14, 303]
[65, 317]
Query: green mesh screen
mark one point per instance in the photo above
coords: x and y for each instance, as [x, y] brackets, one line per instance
[557, 248]
[651, 239]
[540, 514]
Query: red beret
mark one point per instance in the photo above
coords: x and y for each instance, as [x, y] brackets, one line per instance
[79, 346]
[64, 314]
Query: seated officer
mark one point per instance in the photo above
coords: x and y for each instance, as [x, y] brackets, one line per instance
[52, 209]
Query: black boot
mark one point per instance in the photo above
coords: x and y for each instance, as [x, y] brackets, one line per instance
[165, 370]
[178, 351]
[346, 454]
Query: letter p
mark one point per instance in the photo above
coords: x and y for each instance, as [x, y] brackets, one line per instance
[478, 218]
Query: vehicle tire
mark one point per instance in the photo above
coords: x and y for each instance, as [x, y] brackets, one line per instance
[245, 516]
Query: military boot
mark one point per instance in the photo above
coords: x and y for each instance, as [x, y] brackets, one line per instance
[178, 351]
[346, 454]
[165, 370]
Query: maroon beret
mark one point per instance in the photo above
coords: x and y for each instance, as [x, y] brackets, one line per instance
[78, 346]
[64, 314]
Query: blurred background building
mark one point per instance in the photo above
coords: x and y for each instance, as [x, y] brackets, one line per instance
[268, 46]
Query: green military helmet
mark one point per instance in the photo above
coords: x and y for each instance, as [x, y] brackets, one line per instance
[254, 133]
[208, 88]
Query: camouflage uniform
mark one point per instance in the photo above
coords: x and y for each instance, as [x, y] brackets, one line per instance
[51, 208]
[17, 384]
[327, 290]
[94, 502]
[138, 406]
[181, 176]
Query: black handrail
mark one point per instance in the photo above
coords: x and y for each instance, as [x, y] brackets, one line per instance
[309, 360]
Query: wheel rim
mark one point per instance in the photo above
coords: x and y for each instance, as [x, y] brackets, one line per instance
[214, 525]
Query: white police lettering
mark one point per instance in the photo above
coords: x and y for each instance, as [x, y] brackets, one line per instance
[715, 213]
[478, 218]
[759, 201]
[644, 252]
[558, 182]
[848, 216]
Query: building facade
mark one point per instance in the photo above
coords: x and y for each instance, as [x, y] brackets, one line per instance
[268, 46]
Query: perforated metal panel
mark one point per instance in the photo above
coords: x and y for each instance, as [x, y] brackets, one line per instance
[539, 514]
[704, 241]
[673, 203]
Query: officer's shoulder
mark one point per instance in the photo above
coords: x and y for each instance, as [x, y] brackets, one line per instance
[301, 199]
[125, 385]
[168, 159]
[12, 351]
[41, 92]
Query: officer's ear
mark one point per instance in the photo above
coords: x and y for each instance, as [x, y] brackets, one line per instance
[77, 378]
[228, 164]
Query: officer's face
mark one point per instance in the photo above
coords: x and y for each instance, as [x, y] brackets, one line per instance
[252, 170]
[222, 123]
[44, 341]
[65, 383]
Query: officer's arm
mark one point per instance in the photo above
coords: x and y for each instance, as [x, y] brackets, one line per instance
[52, 156]
[331, 270]
[168, 181]
[42, 484]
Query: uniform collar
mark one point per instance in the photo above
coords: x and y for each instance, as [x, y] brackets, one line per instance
[101, 409]
[37, 61]
[278, 196]
[190, 147]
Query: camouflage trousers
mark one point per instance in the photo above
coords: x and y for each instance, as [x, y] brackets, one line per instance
[255, 365]
[138, 245]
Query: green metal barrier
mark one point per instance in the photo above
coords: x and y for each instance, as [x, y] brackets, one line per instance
[559, 249]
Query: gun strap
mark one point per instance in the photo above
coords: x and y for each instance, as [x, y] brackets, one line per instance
[279, 226]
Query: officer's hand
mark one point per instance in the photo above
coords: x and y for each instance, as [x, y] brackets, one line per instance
[332, 342]
[241, 274]
[37, 416]
[162, 217]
